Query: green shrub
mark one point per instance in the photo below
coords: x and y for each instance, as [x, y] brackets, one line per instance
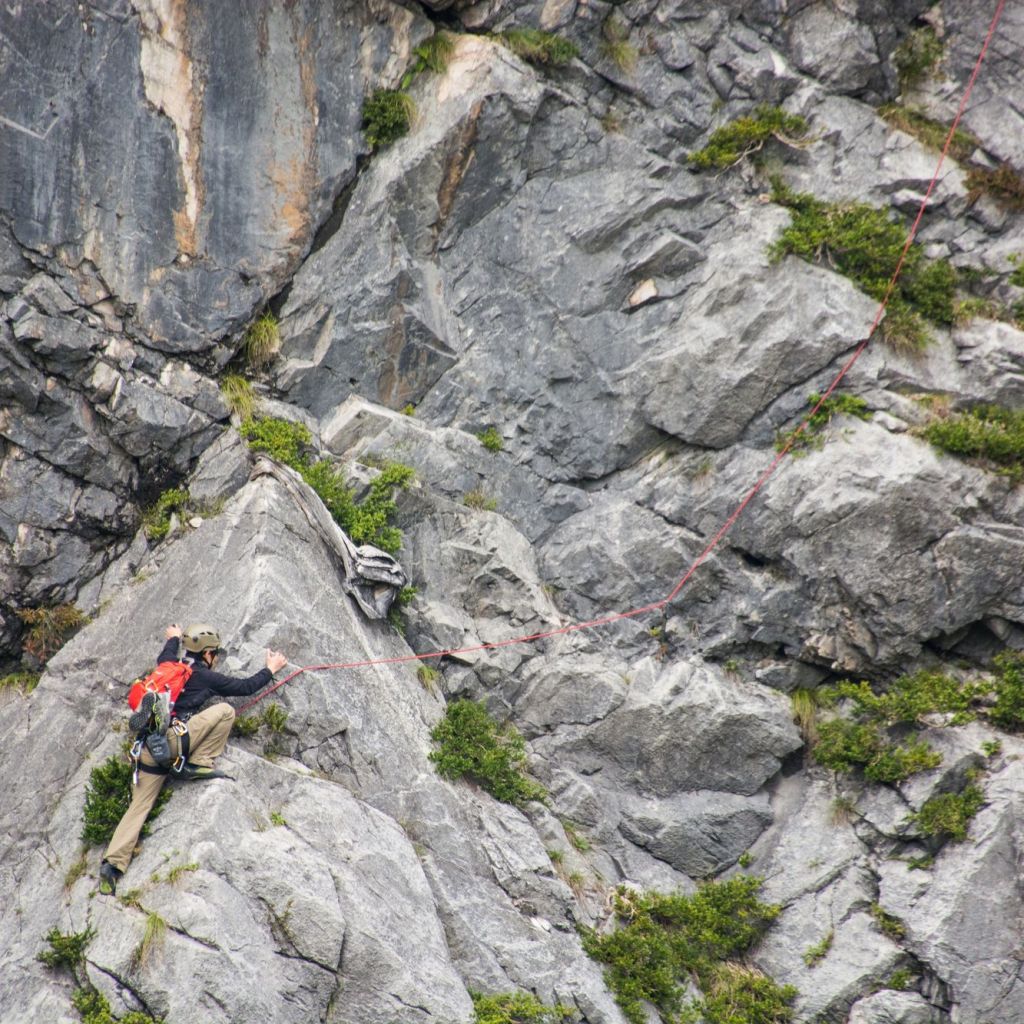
[537, 47]
[387, 116]
[888, 923]
[664, 939]
[49, 629]
[491, 439]
[274, 717]
[156, 520]
[910, 698]
[865, 245]
[517, 1008]
[25, 682]
[367, 522]
[991, 433]
[729, 144]
[107, 796]
[238, 395]
[947, 816]
[816, 953]
[94, 1009]
[916, 56]
[66, 950]
[899, 980]
[370, 518]
[474, 746]
[262, 340]
[1008, 710]
[845, 746]
[810, 437]
[975, 308]
[280, 439]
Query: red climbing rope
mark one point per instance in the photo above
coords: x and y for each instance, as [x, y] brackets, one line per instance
[738, 511]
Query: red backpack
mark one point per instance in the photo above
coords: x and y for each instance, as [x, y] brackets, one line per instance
[168, 677]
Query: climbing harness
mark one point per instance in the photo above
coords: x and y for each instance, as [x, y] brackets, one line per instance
[159, 748]
[761, 481]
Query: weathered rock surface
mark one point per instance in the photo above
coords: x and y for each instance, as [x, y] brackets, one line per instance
[536, 256]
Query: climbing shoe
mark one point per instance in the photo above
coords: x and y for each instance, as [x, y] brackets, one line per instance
[109, 877]
[140, 718]
[198, 773]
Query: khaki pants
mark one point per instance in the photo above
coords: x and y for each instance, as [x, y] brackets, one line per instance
[208, 736]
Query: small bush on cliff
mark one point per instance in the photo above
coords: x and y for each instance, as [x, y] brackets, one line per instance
[537, 47]
[741, 138]
[916, 56]
[68, 952]
[1008, 710]
[49, 629]
[665, 939]
[948, 815]
[517, 1008]
[992, 433]
[474, 746]
[865, 245]
[798, 440]
[862, 741]
[491, 439]
[387, 116]
[107, 797]
[366, 522]
[156, 520]
[1003, 184]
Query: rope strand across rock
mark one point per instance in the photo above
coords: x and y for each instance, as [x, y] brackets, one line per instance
[750, 494]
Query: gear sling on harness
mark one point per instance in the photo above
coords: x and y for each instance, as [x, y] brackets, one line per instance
[160, 751]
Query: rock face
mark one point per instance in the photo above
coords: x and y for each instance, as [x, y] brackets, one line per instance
[538, 260]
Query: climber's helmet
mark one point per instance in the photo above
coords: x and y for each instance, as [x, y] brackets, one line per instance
[199, 638]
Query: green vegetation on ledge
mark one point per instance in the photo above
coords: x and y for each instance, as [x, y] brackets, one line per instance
[992, 433]
[917, 56]
[68, 952]
[474, 746]
[517, 1008]
[536, 47]
[369, 521]
[948, 815]
[837, 404]
[865, 245]
[665, 940]
[741, 138]
[107, 796]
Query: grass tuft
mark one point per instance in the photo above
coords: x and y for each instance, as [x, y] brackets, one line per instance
[262, 340]
[536, 47]
[915, 58]
[238, 395]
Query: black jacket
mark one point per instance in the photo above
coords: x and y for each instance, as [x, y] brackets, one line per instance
[204, 683]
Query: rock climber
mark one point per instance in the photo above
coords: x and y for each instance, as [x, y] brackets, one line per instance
[195, 737]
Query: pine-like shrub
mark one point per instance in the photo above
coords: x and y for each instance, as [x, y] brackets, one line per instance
[107, 797]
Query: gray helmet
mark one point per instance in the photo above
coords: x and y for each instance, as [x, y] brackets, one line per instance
[200, 637]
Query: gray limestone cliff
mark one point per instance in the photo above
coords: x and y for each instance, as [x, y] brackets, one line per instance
[537, 257]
